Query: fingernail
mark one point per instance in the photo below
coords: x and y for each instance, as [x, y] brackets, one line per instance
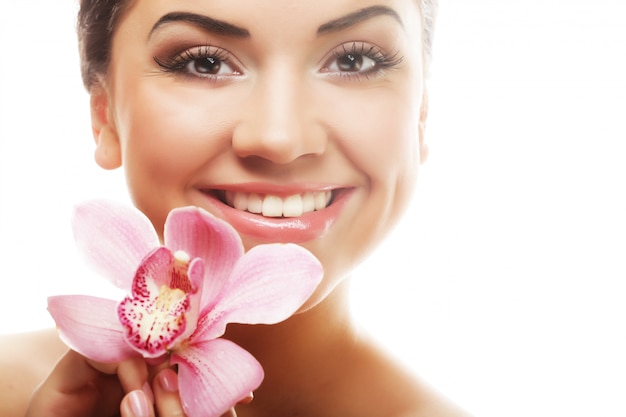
[168, 380]
[148, 391]
[139, 403]
[247, 399]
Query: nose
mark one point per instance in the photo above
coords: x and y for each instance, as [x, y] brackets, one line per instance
[279, 122]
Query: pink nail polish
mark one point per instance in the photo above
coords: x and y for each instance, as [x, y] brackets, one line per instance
[168, 380]
[148, 391]
[247, 399]
[139, 403]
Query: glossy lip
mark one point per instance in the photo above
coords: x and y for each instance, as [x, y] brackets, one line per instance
[301, 229]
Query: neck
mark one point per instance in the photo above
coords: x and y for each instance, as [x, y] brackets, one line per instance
[298, 346]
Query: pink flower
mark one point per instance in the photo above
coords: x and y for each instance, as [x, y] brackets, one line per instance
[182, 295]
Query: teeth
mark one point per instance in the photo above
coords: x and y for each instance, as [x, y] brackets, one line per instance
[308, 202]
[292, 206]
[274, 206]
[240, 201]
[255, 204]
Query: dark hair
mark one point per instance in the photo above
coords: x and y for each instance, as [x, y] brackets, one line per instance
[97, 20]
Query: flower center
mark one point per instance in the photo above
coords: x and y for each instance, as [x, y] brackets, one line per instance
[167, 298]
[178, 274]
[155, 316]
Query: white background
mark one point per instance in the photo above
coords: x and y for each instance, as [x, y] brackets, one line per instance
[504, 287]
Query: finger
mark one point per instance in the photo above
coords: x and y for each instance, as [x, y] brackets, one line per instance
[136, 404]
[132, 373]
[230, 413]
[166, 394]
[79, 369]
[75, 388]
[247, 399]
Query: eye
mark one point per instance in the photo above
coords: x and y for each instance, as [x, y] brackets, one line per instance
[350, 62]
[209, 65]
[356, 59]
[202, 62]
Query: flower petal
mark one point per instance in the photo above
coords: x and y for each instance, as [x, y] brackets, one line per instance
[196, 278]
[268, 285]
[89, 325]
[152, 273]
[214, 375]
[114, 238]
[202, 235]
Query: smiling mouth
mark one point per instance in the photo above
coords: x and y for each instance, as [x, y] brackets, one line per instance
[269, 205]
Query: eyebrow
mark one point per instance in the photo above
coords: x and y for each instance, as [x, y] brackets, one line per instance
[204, 22]
[224, 28]
[359, 16]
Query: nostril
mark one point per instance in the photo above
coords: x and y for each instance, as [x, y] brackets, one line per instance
[279, 143]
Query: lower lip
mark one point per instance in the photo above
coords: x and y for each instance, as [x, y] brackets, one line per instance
[300, 229]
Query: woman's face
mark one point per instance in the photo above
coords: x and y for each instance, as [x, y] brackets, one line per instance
[295, 121]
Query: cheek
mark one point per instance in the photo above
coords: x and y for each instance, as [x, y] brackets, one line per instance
[379, 134]
[168, 133]
[168, 138]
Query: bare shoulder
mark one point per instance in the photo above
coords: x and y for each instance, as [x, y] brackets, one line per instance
[389, 388]
[26, 360]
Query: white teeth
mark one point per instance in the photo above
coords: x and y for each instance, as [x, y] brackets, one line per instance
[273, 206]
[292, 206]
[308, 202]
[320, 201]
[240, 201]
[255, 204]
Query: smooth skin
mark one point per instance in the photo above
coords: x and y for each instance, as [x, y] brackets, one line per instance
[303, 96]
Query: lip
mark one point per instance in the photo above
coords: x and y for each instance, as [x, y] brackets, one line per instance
[300, 229]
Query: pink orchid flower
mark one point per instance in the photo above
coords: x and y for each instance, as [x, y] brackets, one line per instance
[182, 296]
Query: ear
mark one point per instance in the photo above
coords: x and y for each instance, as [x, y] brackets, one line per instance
[108, 150]
[422, 127]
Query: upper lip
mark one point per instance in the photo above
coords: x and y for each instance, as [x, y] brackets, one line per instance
[278, 190]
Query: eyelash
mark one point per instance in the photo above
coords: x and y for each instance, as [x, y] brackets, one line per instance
[179, 63]
[354, 53]
[381, 61]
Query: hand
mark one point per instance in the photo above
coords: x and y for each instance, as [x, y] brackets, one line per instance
[79, 387]
[167, 400]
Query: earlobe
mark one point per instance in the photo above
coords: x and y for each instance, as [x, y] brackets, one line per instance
[422, 127]
[108, 151]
